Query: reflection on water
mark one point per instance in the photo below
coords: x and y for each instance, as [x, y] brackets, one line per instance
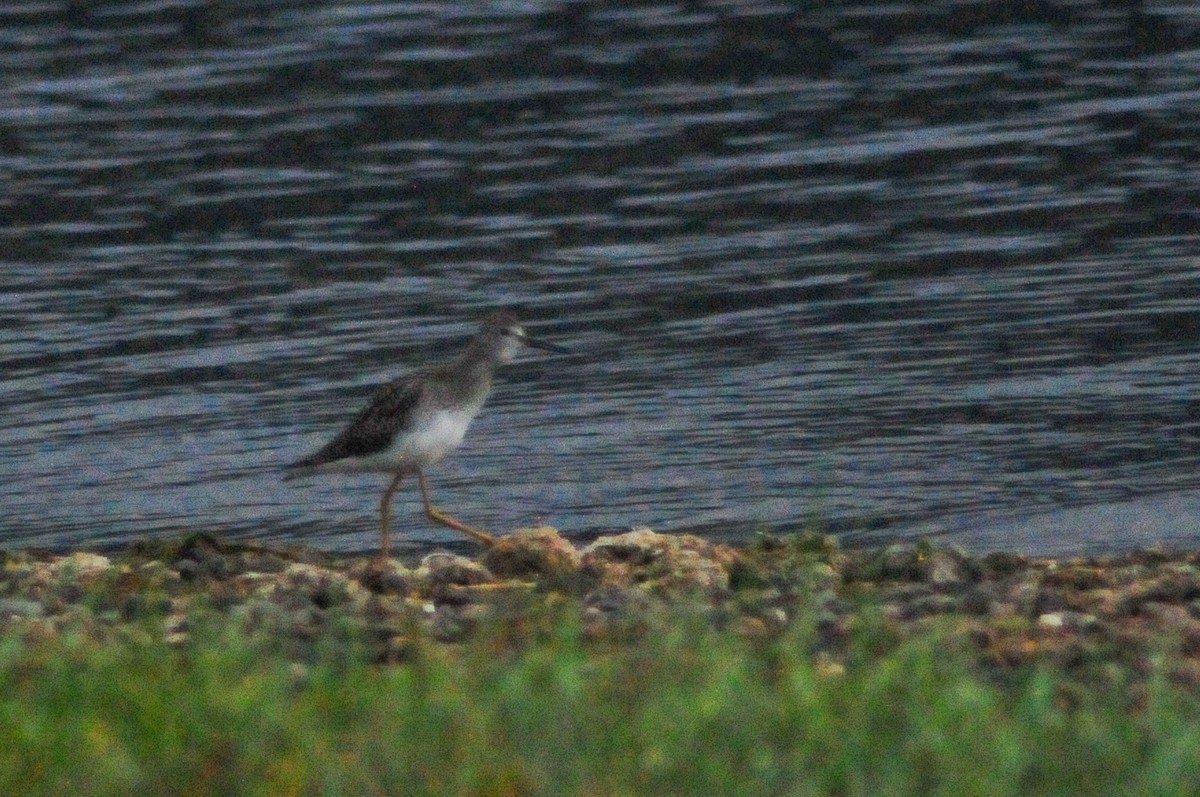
[885, 268]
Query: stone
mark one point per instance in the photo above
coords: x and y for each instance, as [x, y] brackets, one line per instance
[948, 569]
[538, 553]
[85, 564]
[440, 569]
[381, 578]
[658, 562]
[20, 607]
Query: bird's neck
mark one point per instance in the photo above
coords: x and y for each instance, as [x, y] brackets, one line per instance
[474, 367]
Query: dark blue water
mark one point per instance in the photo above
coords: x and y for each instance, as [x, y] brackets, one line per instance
[882, 269]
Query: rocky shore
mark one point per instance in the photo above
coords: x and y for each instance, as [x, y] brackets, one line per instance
[1108, 620]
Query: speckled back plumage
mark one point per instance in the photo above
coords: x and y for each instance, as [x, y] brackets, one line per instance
[373, 429]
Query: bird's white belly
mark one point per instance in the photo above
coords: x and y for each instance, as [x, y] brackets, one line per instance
[441, 433]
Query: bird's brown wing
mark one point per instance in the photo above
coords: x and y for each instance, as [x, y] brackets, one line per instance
[373, 429]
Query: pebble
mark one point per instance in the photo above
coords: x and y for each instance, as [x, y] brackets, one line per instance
[20, 607]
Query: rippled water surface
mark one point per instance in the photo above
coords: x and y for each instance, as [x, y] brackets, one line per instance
[889, 268]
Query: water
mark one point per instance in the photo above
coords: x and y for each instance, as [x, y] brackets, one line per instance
[891, 269]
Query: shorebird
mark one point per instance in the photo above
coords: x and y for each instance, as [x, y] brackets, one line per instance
[419, 418]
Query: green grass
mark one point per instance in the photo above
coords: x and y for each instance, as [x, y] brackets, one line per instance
[540, 708]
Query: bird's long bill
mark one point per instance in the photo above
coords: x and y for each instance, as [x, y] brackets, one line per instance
[541, 344]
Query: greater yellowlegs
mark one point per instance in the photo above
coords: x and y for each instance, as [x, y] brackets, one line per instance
[419, 418]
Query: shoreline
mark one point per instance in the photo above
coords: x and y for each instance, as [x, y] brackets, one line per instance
[1076, 614]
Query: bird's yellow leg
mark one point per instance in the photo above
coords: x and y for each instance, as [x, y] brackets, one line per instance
[438, 516]
[385, 517]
